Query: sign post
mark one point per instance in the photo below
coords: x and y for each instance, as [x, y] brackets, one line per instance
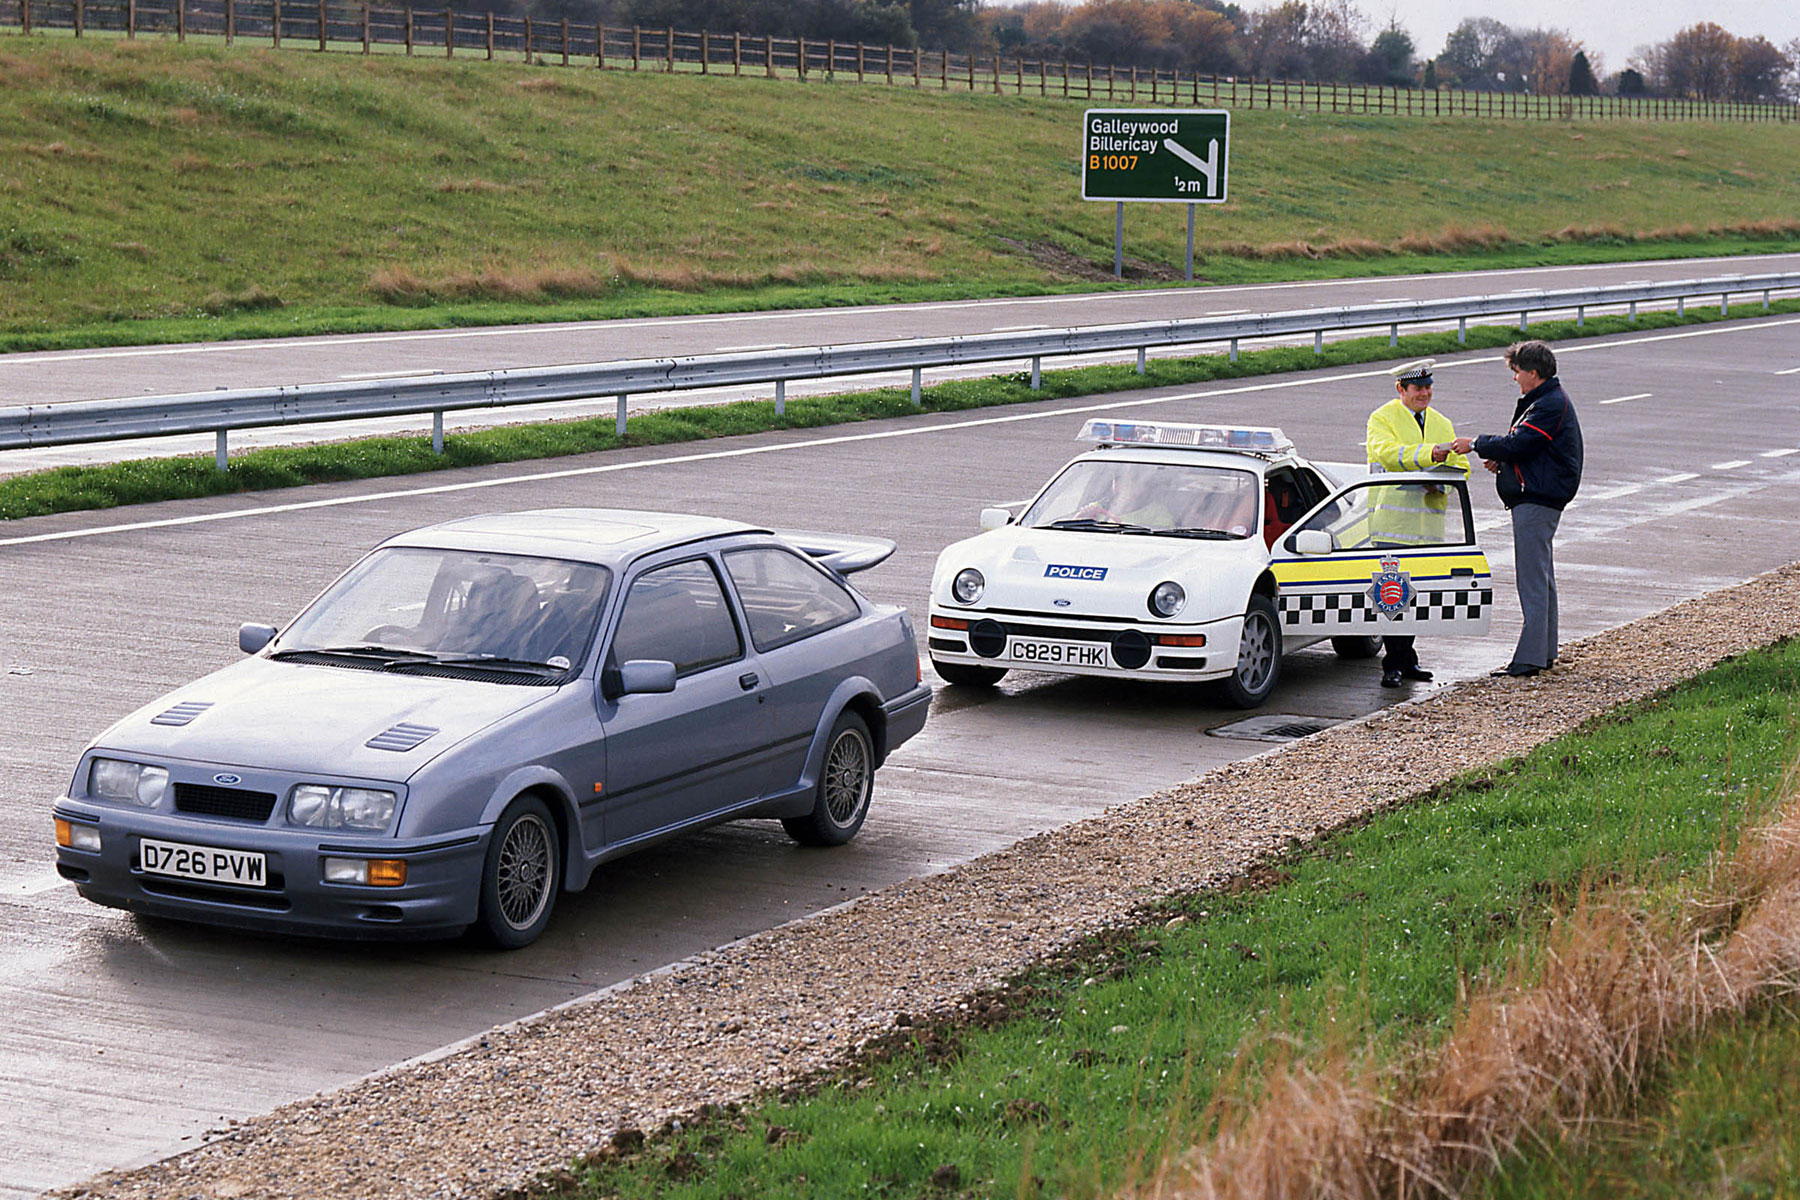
[1158, 155]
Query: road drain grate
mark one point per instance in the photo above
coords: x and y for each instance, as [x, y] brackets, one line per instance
[1274, 727]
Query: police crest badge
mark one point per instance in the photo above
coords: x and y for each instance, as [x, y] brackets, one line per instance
[1391, 590]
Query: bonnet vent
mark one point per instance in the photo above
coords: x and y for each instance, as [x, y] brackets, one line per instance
[181, 713]
[401, 737]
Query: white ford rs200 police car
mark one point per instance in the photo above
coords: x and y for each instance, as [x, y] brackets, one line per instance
[1181, 553]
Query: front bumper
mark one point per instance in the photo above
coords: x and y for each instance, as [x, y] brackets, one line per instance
[439, 897]
[1067, 645]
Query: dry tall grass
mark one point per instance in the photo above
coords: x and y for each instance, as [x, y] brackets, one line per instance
[1560, 1041]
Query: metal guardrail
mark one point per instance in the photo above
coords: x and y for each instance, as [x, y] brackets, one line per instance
[74, 422]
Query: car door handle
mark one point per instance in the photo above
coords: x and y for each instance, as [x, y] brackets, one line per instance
[748, 681]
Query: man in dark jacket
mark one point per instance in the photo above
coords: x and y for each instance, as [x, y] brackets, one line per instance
[1537, 469]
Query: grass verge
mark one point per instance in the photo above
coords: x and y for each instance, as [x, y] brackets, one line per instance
[77, 488]
[1083, 1076]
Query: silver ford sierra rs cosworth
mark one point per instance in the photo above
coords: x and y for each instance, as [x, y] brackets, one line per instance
[479, 713]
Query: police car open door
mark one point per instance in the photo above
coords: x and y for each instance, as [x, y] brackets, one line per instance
[1394, 553]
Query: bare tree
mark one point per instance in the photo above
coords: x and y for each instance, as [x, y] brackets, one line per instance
[1697, 62]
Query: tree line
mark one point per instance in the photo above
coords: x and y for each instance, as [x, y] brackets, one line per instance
[1330, 41]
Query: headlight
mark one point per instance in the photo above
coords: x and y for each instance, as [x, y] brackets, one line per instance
[967, 585]
[1167, 598]
[320, 807]
[127, 782]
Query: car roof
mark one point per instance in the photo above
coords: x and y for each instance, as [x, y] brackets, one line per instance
[607, 536]
[1229, 460]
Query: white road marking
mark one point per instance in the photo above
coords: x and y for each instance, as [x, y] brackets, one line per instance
[390, 374]
[1790, 371]
[1678, 477]
[1733, 465]
[1227, 312]
[1623, 399]
[759, 346]
[1783, 453]
[1627, 489]
[836, 440]
[34, 886]
[1017, 328]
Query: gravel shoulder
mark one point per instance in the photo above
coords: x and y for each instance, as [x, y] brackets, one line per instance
[497, 1111]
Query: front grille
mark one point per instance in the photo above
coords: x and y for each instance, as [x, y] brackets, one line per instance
[203, 799]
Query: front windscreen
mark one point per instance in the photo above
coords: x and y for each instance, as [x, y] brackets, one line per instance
[458, 603]
[1121, 496]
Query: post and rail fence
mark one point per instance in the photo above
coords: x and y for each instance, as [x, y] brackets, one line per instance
[325, 25]
[218, 412]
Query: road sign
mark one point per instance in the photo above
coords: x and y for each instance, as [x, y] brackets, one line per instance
[1175, 156]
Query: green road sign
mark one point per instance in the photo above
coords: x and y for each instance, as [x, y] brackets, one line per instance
[1160, 154]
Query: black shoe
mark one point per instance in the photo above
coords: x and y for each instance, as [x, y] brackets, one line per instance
[1416, 674]
[1517, 670]
[1390, 679]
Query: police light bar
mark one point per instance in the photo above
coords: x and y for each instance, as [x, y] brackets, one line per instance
[1245, 439]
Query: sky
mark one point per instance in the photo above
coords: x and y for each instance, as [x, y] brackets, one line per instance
[1615, 29]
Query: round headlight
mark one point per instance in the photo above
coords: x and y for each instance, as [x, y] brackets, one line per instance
[1167, 598]
[967, 585]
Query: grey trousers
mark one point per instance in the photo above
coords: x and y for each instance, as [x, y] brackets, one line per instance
[1534, 527]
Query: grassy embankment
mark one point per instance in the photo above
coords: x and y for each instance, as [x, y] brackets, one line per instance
[155, 192]
[1082, 1079]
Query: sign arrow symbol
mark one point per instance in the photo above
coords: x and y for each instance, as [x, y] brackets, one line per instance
[1208, 166]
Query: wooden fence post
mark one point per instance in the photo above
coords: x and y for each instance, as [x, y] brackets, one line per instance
[944, 72]
[859, 62]
[367, 21]
[180, 19]
[324, 26]
[230, 21]
[130, 19]
[890, 64]
[670, 49]
[971, 71]
[737, 54]
[769, 54]
[800, 58]
[80, 17]
[25, 15]
[705, 52]
[917, 82]
[275, 25]
[830, 60]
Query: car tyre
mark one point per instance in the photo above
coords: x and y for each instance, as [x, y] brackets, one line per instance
[846, 781]
[1259, 656]
[965, 675]
[520, 876]
[1356, 647]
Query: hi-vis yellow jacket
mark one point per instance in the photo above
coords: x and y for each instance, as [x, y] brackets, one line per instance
[1411, 515]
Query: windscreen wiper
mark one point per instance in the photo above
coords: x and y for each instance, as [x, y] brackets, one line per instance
[1085, 525]
[476, 660]
[365, 651]
[1192, 531]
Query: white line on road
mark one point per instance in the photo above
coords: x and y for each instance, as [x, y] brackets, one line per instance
[1790, 371]
[1733, 465]
[1017, 328]
[1227, 312]
[390, 374]
[759, 346]
[1678, 477]
[35, 886]
[1623, 399]
[1783, 453]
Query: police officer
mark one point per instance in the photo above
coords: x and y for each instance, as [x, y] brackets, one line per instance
[1407, 434]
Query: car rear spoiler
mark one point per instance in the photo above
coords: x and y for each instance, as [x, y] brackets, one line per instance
[845, 553]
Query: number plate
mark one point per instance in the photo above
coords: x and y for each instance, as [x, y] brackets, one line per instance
[1057, 654]
[245, 868]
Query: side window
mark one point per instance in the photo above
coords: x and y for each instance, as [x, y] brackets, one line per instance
[785, 597]
[1396, 516]
[678, 613]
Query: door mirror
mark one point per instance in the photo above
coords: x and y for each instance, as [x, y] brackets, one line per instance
[252, 638]
[1312, 542]
[643, 676]
[995, 518]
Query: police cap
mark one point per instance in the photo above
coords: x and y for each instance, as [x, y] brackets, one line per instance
[1415, 372]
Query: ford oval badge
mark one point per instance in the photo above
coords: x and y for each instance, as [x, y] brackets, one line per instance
[227, 778]
[1061, 603]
